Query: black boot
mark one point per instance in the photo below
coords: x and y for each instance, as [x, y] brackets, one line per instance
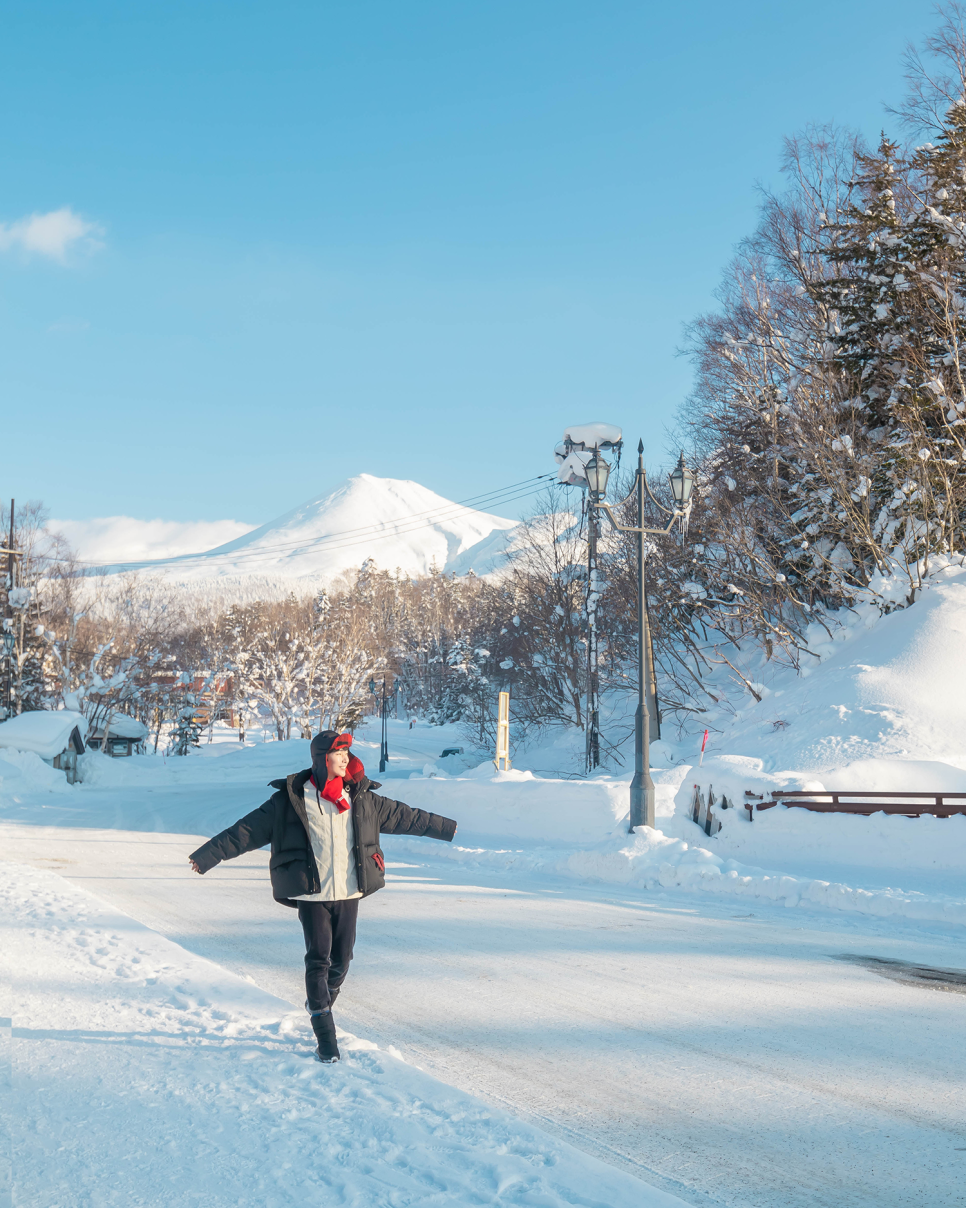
[333, 995]
[324, 1028]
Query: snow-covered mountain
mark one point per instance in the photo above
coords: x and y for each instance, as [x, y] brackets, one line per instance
[396, 523]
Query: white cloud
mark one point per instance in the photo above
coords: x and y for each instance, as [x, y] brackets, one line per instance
[50, 234]
[124, 539]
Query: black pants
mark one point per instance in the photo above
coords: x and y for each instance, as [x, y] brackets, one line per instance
[330, 932]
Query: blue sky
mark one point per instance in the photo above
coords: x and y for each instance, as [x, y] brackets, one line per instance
[414, 239]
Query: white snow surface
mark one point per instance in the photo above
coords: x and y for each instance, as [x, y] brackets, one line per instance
[611, 990]
[143, 1074]
[44, 732]
[397, 523]
[681, 1006]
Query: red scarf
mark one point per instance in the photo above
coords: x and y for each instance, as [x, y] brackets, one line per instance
[332, 791]
[333, 788]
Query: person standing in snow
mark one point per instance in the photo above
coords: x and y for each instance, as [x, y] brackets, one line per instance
[324, 825]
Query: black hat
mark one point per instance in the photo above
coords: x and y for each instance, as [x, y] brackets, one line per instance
[322, 744]
[330, 740]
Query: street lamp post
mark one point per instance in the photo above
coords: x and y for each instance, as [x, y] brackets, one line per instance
[384, 714]
[682, 484]
[597, 471]
[581, 464]
[9, 641]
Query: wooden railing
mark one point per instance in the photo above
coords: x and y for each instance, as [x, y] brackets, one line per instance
[942, 805]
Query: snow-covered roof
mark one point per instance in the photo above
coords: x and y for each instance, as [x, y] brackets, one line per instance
[44, 732]
[123, 726]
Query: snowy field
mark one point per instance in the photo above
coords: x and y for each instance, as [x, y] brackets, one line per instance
[548, 1011]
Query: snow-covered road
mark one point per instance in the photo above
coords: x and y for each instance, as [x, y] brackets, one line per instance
[144, 1075]
[718, 1049]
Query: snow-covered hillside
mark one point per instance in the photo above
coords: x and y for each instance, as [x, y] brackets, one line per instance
[875, 688]
[395, 522]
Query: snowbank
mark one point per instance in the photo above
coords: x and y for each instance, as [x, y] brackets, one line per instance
[886, 687]
[147, 1075]
[516, 805]
[22, 773]
[779, 835]
[651, 860]
[886, 866]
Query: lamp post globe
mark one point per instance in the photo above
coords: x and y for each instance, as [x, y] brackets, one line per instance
[682, 483]
[597, 472]
[9, 641]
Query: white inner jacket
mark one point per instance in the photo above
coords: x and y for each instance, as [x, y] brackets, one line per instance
[333, 844]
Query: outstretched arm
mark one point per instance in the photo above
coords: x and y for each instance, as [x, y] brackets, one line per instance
[397, 818]
[248, 833]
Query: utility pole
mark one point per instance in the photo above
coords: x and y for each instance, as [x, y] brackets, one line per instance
[384, 747]
[9, 640]
[643, 797]
[384, 716]
[581, 464]
[592, 752]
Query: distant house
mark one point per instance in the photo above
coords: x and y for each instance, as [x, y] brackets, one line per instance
[215, 693]
[125, 736]
[57, 737]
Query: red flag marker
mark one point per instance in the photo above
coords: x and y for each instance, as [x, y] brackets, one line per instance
[704, 743]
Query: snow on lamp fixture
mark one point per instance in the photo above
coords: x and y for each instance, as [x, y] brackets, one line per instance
[579, 444]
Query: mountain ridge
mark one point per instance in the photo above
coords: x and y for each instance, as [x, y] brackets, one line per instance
[398, 523]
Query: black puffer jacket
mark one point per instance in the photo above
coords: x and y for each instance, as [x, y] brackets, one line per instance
[281, 821]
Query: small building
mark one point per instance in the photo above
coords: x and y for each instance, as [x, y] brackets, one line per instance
[56, 736]
[125, 736]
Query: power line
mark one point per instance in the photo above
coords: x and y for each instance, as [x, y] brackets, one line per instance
[434, 516]
[334, 543]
